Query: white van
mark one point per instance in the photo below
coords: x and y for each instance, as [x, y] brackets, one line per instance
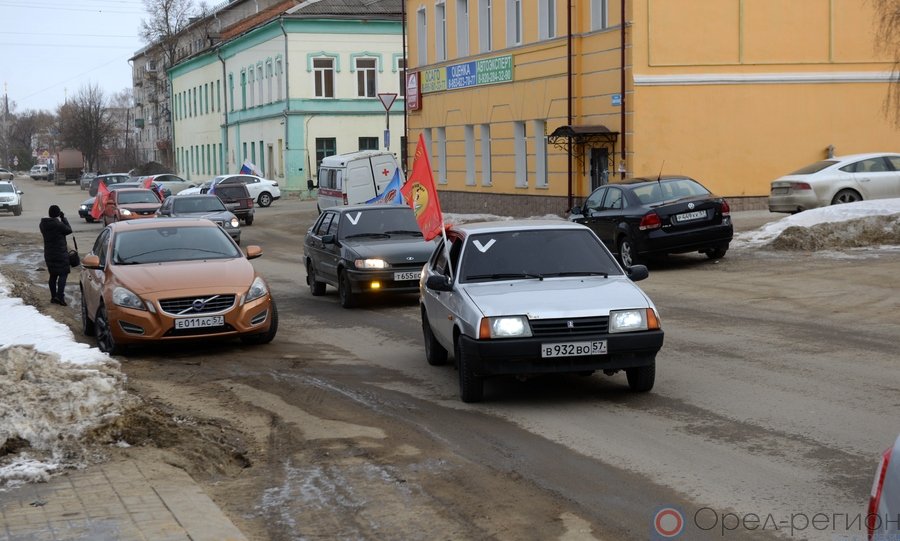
[356, 177]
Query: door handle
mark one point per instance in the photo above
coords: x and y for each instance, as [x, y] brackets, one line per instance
[865, 179]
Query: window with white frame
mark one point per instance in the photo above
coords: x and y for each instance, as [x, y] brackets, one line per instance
[539, 127]
[485, 26]
[599, 14]
[485, 154]
[440, 31]
[521, 149]
[323, 74]
[231, 92]
[279, 71]
[470, 154]
[422, 37]
[462, 28]
[251, 82]
[547, 19]
[442, 155]
[259, 82]
[269, 81]
[365, 77]
[513, 22]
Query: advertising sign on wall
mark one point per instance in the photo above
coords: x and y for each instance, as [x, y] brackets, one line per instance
[486, 71]
[413, 103]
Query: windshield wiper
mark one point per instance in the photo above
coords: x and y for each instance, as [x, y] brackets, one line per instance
[404, 232]
[579, 273]
[378, 235]
[499, 275]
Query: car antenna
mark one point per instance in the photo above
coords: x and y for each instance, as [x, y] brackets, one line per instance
[659, 176]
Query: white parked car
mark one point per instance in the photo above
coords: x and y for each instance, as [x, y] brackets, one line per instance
[262, 190]
[10, 197]
[843, 179]
[170, 184]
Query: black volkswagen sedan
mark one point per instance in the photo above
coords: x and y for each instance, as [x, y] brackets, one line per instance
[640, 218]
[365, 250]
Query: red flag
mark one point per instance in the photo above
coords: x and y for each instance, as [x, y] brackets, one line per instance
[420, 193]
[147, 182]
[100, 201]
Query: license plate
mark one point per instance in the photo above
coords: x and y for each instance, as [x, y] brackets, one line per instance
[688, 216]
[199, 322]
[401, 276]
[573, 349]
[780, 191]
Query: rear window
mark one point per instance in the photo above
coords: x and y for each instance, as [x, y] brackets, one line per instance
[231, 192]
[667, 190]
[814, 167]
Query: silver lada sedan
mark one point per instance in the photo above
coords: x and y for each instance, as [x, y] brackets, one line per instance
[535, 297]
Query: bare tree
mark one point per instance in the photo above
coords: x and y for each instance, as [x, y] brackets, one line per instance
[23, 132]
[85, 123]
[168, 19]
[888, 37]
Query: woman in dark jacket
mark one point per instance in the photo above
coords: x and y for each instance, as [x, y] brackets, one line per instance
[56, 252]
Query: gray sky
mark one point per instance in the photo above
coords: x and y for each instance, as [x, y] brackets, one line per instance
[49, 48]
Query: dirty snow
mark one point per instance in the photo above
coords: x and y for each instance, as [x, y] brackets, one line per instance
[53, 391]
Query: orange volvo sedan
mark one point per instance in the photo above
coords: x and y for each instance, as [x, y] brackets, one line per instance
[165, 279]
[130, 203]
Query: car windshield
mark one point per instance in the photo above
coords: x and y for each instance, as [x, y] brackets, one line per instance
[197, 204]
[6, 188]
[379, 222]
[163, 244]
[138, 197]
[665, 190]
[814, 167]
[535, 253]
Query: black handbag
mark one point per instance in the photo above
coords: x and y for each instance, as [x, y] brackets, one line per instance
[74, 258]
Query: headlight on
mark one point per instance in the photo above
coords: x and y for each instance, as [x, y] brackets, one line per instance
[125, 297]
[234, 222]
[371, 264]
[126, 212]
[257, 289]
[84, 207]
[632, 320]
[504, 327]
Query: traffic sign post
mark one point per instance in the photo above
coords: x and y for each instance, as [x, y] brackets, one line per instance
[387, 99]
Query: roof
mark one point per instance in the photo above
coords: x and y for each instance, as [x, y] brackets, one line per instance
[355, 8]
[515, 225]
[344, 158]
[350, 208]
[153, 223]
[256, 19]
[639, 180]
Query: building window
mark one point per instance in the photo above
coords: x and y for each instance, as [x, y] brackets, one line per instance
[401, 68]
[365, 77]
[462, 28]
[368, 143]
[269, 82]
[262, 158]
[194, 101]
[323, 73]
[231, 92]
[547, 19]
[470, 154]
[521, 150]
[206, 88]
[218, 96]
[278, 78]
[422, 37]
[259, 83]
[252, 84]
[599, 14]
[243, 89]
[440, 31]
[253, 152]
[540, 152]
[442, 155]
[485, 154]
[513, 22]
[485, 25]
[325, 146]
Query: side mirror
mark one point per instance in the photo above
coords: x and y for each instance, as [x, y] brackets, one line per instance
[90, 261]
[253, 251]
[328, 239]
[20, 192]
[575, 211]
[439, 282]
[636, 273]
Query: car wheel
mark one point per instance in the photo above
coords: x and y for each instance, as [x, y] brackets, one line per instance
[87, 326]
[265, 337]
[641, 378]
[105, 340]
[435, 353]
[265, 199]
[248, 220]
[626, 252]
[89, 219]
[846, 196]
[471, 386]
[345, 291]
[316, 288]
[717, 253]
[17, 211]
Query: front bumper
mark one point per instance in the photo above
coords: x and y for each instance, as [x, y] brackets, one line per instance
[521, 356]
[365, 281]
[131, 326]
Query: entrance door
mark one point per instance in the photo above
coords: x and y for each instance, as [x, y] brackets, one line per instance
[599, 167]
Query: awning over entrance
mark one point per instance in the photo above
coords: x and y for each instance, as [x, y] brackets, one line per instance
[574, 140]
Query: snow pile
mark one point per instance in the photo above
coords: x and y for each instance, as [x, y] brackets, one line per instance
[53, 392]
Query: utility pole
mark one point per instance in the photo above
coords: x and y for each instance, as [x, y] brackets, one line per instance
[5, 126]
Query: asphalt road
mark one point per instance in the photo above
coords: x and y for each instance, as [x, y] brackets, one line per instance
[776, 391]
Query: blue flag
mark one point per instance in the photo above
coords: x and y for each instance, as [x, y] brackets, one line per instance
[391, 194]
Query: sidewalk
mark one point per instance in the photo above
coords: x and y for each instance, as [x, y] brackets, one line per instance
[120, 500]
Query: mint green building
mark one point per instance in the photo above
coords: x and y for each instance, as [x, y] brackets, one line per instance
[285, 90]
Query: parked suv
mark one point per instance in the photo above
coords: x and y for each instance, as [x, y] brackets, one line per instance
[40, 172]
[237, 199]
[10, 197]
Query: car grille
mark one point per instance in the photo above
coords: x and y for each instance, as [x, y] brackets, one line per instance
[197, 305]
[585, 326]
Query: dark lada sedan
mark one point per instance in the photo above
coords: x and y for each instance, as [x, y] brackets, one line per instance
[365, 249]
[646, 217]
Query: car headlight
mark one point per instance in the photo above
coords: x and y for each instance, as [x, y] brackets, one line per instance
[632, 320]
[126, 212]
[505, 327]
[84, 207]
[234, 222]
[125, 297]
[257, 289]
[371, 264]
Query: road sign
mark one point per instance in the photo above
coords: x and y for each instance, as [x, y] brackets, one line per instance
[16, 161]
[387, 99]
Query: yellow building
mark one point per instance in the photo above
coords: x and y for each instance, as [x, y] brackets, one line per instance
[526, 105]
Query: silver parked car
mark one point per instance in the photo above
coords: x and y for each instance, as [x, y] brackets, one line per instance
[843, 179]
[534, 297]
[884, 501]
